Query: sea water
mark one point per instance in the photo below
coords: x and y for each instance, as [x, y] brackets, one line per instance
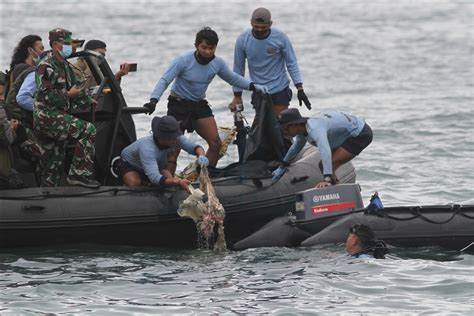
[406, 67]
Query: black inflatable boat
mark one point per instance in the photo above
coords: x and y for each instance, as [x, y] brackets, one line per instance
[147, 216]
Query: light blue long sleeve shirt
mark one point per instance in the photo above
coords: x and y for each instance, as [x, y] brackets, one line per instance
[191, 78]
[327, 130]
[145, 155]
[267, 59]
[26, 94]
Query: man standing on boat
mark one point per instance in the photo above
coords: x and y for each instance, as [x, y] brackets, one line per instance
[192, 73]
[57, 95]
[339, 136]
[145, 160]
[269, 54]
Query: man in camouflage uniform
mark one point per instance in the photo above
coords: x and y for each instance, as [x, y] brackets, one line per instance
[57, 95]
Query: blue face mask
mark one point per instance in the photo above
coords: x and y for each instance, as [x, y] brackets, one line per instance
[67, 51]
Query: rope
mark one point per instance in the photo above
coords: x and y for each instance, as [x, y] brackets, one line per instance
[457, 210]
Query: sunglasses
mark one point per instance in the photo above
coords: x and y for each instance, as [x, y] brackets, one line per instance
[354, 229]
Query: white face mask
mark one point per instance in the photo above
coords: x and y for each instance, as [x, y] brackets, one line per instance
[36, 56]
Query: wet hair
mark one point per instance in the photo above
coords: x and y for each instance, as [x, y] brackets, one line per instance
[364, 233]
[207, 34]
[21, 51]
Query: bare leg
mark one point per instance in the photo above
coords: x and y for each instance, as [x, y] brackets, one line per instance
[277, 109]
[339, 157]
[132, 179]
[172, 161]
[207, 129]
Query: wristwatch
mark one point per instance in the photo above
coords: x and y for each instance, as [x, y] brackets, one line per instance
[328, 179]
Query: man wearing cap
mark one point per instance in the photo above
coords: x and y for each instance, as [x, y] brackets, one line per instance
[269, 54]
[339, 136]
[145, 160]
[57, 95]
[192, 72]
[81, 68]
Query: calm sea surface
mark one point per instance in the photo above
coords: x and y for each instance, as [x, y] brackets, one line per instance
[408, 68]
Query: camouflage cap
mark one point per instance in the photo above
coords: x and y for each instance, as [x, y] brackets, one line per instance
[2, 78]
[60, 35]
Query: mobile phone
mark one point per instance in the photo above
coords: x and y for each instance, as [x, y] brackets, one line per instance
[78, 41]
[133, 67]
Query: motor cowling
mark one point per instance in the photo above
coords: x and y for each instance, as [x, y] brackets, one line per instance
[324, 202]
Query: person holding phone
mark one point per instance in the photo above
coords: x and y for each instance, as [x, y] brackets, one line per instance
[81, 69]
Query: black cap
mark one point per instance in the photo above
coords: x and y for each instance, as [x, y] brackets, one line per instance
[291, 116]
[165, 127]
[94, 44]
[261, 15]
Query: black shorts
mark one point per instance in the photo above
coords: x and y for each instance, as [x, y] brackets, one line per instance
[188, 112]
[280, 98]
[355, 145]
[122, 167]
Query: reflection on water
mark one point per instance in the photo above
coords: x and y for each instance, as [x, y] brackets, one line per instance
[133, 280]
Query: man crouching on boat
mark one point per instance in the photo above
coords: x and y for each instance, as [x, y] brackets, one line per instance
[340, 137]
[144, 161]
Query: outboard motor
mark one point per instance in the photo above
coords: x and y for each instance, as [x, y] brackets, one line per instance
[316, 204]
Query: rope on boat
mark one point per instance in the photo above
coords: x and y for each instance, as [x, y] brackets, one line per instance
[190, 171]
[457, 210]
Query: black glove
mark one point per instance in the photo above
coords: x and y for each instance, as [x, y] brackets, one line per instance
[150, 106]
[303, 98]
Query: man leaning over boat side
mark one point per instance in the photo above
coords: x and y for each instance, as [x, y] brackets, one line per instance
[192, 72]
[145, 160]
[339, 136]
[57, 95]
[269, 54]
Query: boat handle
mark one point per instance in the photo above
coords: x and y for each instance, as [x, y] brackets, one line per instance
[33, 208]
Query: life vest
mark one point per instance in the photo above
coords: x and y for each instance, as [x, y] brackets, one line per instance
[5, 140]
[14, 111]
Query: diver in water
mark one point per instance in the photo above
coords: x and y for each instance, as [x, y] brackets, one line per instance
[361, 243]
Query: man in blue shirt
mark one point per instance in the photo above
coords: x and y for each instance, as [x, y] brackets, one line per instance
[339, 136]
[145, 160]
[269, 54]
[192, 72]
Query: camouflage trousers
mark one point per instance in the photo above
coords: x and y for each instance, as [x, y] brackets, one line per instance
[31, 149]
[54, 132]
